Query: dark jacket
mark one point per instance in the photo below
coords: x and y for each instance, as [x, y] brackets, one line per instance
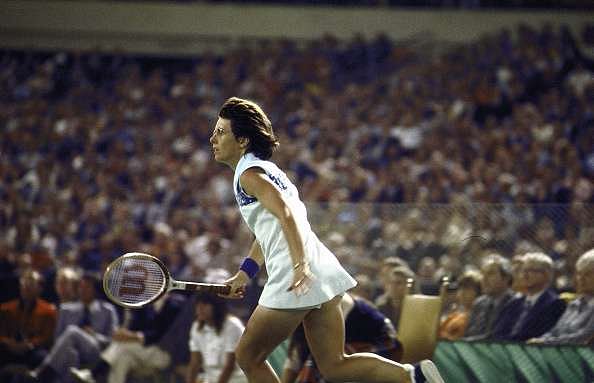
[540, 318]
[154, 324]
[484, 314]
[167, 328]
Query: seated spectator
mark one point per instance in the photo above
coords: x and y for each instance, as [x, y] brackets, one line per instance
[66, 284]
[145, 346]
[26, 324]
[396, 288]
[386, 267]
[452, 327]
[213, 338]
[576, 325]
[517, 279]
[496, 281]
[84, 329]
[533, 314]
[366, 330]
[426, 276]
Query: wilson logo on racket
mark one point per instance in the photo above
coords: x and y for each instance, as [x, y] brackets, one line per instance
[133, 280]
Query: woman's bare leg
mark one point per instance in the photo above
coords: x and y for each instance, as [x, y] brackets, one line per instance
[324, 330]
[265, 330]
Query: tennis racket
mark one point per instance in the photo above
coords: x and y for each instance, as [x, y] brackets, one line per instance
[136, 279]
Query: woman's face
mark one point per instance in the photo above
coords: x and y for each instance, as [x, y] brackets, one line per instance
[465, 296]
[225, 146]
[204, 312]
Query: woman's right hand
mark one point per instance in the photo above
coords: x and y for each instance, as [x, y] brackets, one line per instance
[238, 284]
[302, 279]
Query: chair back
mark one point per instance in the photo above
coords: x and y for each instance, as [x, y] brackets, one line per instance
[419, 321]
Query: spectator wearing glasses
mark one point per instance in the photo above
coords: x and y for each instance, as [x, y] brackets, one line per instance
[534, 313]
[576, 325]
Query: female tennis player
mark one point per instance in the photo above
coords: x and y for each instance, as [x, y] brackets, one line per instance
[305, 280]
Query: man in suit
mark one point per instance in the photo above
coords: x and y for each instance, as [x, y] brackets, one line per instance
[496, 282]
[576, 325]
[146, 345]
[84, 328]
[536, 312]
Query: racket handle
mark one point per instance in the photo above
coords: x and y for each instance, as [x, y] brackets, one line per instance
[213, 288]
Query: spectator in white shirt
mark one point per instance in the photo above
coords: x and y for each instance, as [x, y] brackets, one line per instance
[213, 338]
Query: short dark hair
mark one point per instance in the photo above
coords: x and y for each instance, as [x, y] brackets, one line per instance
[249, 121]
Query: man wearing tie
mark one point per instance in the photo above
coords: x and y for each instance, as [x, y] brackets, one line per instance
[84, 329]
[536, 312]
[576, 326]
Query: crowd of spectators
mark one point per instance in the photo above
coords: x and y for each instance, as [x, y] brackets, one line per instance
[103, 152]
[438, 159]
[464, 4]
[401, 152]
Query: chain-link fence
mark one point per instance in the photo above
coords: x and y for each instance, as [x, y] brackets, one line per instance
[456, 236]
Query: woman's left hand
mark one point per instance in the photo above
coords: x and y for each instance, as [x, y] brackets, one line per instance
[302, 279]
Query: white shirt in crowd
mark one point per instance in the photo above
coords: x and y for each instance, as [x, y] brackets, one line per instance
[214, 348]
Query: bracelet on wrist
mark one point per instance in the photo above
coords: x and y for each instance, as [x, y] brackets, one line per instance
[298, 265]
[250, 267]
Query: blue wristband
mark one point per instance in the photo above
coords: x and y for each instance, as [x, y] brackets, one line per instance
[250, 267]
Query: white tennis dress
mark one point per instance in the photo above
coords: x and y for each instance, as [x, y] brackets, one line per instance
[330, 278]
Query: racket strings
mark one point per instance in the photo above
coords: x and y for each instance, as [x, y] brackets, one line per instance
[135, 281]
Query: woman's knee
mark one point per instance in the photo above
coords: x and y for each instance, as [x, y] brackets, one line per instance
[248, 355]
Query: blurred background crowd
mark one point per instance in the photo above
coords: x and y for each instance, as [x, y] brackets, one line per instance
[466, 4]
[104, 153]
[437, 159]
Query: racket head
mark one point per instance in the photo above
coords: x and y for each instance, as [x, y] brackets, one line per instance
[135, 279]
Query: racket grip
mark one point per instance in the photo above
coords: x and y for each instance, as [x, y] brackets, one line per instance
[224, 290]
[209, 288]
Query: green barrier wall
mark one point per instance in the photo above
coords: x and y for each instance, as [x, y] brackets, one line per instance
[479, 362]
[461, 362]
